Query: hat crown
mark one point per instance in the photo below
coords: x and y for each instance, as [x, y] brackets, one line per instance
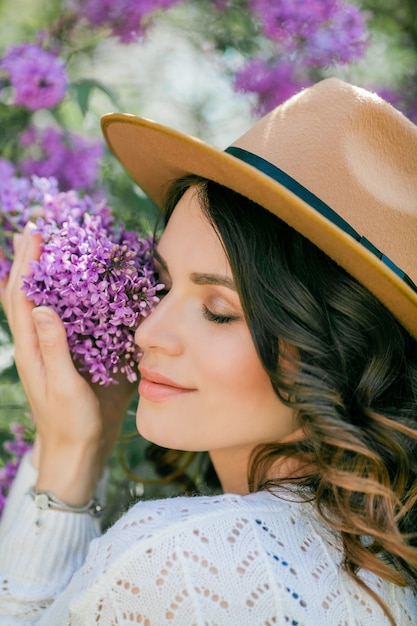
[356, 153]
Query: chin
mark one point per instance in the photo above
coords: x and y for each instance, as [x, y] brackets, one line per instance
[149, 428]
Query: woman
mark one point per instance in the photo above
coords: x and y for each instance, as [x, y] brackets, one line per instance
[285, 346]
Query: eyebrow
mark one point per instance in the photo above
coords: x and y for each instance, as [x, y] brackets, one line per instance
[200, 278]
[212, 279]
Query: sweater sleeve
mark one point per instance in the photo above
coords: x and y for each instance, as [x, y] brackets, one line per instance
[26, 477]
[39, 552]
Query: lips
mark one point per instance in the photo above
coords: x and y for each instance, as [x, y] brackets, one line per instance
[156, 387]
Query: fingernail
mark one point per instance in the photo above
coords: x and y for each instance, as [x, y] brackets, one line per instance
[29, 230]
[43, 317]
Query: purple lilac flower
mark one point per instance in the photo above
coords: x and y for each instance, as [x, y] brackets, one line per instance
[38, 77]
[272, 83]
[343, 41]
[68, 157]
[289, 20]
[127, 19]
[97, 276]
[16, 194]
[317, 32]
[15, 449]
[7, 170]
[221, 5]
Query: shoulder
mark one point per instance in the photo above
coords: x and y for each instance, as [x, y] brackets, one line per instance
[221, 519]
[236, 559]
[281, 528]
[220, 516]
[216, 556]
[184, 510]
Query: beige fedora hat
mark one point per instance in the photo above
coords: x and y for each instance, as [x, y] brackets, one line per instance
[336, 162]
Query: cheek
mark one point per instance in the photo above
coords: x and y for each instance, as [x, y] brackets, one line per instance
[234, 370]
[241, 399]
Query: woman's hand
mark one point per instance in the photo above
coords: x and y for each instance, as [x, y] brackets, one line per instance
[77, 425]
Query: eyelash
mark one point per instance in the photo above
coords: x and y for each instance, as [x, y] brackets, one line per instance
[209, 315]
[217, 319]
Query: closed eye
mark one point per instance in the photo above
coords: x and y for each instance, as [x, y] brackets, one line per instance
[218, 319]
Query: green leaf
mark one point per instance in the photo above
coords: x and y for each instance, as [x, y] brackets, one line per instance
[13, 121]
[83, 95]
[82, 90]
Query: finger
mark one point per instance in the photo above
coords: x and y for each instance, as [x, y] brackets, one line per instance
[3, 281]
[17, 237]
[18, 308]
[17, 242]
[53, 347]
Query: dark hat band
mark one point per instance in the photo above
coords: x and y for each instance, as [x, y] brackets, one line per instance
[314, 201]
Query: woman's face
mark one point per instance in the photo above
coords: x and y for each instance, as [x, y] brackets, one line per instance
[202, 383]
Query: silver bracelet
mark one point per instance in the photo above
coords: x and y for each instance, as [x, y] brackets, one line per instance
[45, 500]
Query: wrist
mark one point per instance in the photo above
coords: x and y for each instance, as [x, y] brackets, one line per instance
[45, 500]
[69, 473]
[36, 452]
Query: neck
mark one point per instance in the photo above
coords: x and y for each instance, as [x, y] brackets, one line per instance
[231, 467]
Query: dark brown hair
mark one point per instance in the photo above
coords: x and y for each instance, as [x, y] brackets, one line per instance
[350, 372]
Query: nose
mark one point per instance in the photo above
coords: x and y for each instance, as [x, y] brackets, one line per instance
[160, 330]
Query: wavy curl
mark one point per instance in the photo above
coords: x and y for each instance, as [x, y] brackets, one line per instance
[335, 354]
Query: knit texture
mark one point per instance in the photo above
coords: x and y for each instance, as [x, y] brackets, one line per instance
[224, 560]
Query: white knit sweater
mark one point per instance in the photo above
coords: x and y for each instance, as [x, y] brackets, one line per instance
[224, 561]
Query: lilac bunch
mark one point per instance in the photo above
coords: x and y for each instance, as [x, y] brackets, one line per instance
[17, 197]
[302, 34]
[97, 276]
[272, 82]
[38, 78]
[15, 449]
[282, 19]
[66, 156]
[343, 40]
[126, 19]
[318, 31]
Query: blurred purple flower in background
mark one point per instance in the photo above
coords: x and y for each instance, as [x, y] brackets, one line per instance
[16, 196]
[38, 78]
[313, 34]
[344, 41]
[271, 83]
[68, 157]
[15, 449]
[127, 19]
[7, 170]
[291, 21]
[222, 5]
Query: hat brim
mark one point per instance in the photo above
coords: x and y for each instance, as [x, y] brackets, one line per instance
[155, 155]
